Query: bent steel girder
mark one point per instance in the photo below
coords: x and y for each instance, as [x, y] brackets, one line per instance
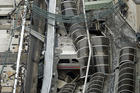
[49, 62]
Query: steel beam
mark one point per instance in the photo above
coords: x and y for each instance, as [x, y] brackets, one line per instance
[49, 53]
[35, 34]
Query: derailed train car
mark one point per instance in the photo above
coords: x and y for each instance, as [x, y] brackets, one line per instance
[72, 80]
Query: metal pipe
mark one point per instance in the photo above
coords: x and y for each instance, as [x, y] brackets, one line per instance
[20, 46]
[90, 47]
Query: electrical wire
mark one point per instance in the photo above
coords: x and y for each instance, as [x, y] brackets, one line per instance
[90, 48]
[74, 19]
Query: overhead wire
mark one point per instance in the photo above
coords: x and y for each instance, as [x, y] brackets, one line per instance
[74, 19]
[90, 48]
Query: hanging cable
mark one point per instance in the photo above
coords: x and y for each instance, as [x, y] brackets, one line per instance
[20, 46]
[90, 47]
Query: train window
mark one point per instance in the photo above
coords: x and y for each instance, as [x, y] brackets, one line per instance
[74, 60]
[64, 61]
